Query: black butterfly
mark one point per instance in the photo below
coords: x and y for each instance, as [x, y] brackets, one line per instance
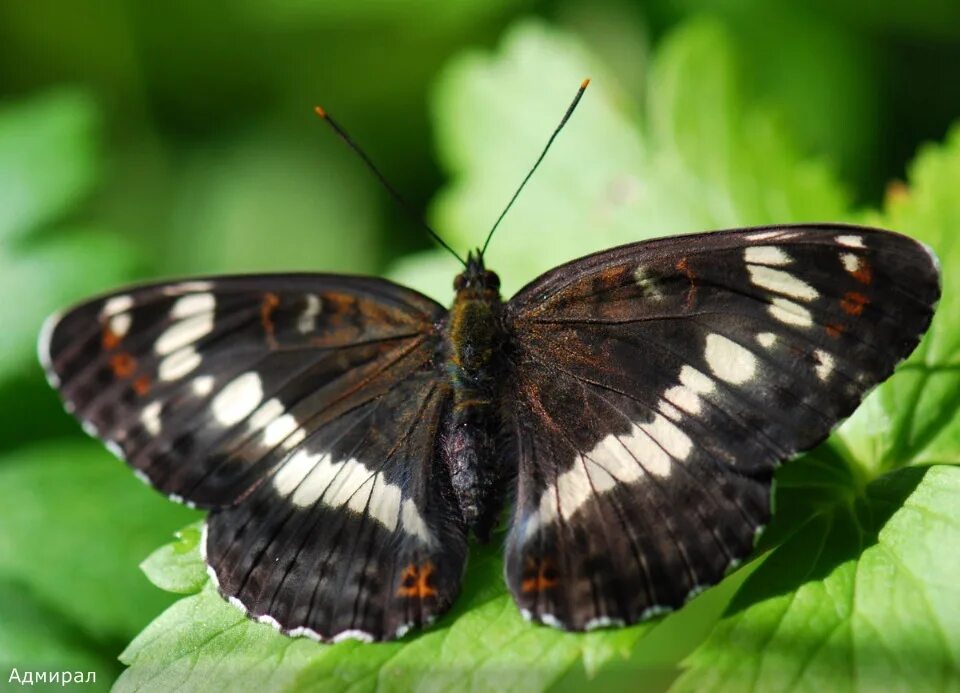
[347, 433]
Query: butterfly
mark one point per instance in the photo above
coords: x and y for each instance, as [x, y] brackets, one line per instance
[347, 434]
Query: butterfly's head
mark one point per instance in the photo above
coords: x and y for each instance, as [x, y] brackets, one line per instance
[476, 279]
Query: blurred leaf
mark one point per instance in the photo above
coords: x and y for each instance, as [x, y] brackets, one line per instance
[48, 163]
[75, 524]
[443, 15]
[265, 204]
[701, 157]
[34, 637]
[48, 160]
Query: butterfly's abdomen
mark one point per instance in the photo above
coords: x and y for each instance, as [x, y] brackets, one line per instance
[475, 347]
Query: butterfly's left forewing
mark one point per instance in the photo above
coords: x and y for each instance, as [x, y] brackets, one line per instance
[304, 411]
[657, 386]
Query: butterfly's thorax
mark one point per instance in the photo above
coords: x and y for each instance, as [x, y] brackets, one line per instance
[475, 341]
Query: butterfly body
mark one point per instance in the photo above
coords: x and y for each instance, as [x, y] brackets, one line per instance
[477, 343]
[348, 433]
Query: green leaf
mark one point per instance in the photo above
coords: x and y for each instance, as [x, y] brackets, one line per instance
[174, 567]
[75, 524]
[698, 158]
[48, 159]
[862, 597]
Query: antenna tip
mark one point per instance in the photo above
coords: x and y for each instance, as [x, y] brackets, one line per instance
[584, 83]
[319, 110]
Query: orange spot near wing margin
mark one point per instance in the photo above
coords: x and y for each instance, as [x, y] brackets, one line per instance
[415, 581]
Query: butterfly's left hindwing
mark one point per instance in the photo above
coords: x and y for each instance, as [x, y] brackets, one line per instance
[304, 410]
[657, 386]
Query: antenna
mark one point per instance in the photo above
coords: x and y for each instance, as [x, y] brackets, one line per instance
[320, 111]
[563, 121]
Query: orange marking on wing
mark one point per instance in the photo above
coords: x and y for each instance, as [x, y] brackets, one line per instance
[415, 581]
[834, 329]
[538, 575]
[682, 266]
[269, 304]
[123, 365]
[863, 274]
[110, 338]
[141, 385]
[853, 302]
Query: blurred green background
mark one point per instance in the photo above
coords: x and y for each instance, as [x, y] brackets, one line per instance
[157, 139]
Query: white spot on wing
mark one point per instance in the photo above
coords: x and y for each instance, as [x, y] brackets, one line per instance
[116, 305]
[186, 287]
[728, 360]
[114, 448]
[669, 437]
[649, 285]
[685, 398]
[603, 622]
[268, 412]
[766, 339]
[825, 364]
[766, 255]
[851, 262]
[238, 399]
[655, 610]
[203, 543]
[781, 282]
[269, 620]
[695, 380]
[308, 478]
[120, 324]
[307, 321]
[237, 604]
[790, 313]
[850, 241]
[203, 385]
[283, 430]
[360, 635]
[763, 235]
[192, 304]
[413, 522]
[43, 348]
[178, 364]
[184, 332]
[624, 459]
[552, 621]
